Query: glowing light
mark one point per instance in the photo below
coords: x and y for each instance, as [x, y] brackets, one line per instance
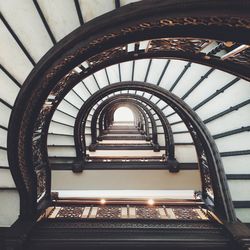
[151, 202]
[102, 201]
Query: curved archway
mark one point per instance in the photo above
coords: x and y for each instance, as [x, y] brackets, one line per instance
[124, 101]
[192, 121]
[109, 117]
[31, 112]
[123, 114]
[106, 117]
[169, 140]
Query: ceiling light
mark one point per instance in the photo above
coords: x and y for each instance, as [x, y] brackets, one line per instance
[102, 201]
[151, 202]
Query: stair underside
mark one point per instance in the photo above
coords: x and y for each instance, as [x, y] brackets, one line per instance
[139, 234]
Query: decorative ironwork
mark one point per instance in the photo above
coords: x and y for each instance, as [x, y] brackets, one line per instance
[70, 212]
[41, 182]
[187, 45]
[107, 55]
[62, 83]
[132, 212]
[203, 165]
[39, 155]
[47, 76]
[109, 212]
[186, 214]
[147, 213]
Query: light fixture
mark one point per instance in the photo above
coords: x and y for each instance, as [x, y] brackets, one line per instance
[151, 202]
[102, 201]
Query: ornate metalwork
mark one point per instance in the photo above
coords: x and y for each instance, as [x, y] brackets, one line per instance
[187, 45]
[147, 213]
[140, 212]
[41, 182]
[109, 212]
[40, 82]
[186, 213]
[70, 212]
[107, 55]
[203, 165]
[39, 155]
[62, 83]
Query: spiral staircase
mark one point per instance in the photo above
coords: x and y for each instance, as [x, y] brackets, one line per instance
[146, 179]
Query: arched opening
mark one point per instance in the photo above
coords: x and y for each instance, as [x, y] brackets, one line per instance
[123, 114]
[73, 62]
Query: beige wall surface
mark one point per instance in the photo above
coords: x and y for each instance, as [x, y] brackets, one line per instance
[126, 180]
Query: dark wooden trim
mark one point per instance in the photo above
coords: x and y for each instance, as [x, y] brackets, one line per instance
[180, 132]
[106, 73]
[133, 72]
[96, 81]
[119, 70]
[7, 188]
[121, 165]
[235, 153]
[163, 72]
[4, 128]
[232, 132]
[241, 204]
[79, 12]
[174, 123]
[227, 111]
[238, 176]
[117, 4]
[4, 167]
[171, 114]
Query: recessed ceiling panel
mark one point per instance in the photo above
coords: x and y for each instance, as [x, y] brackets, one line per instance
[12, 57]
[25, 21]
[156, 70]
[113, 73]
[190, 77]
[9, 89]
[141, 69]
[60, 15]
[101, 78]
[173, 71]
[214, 82]
[126, 71]
[93, 8]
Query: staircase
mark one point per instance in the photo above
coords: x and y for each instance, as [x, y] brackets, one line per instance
[124, 142]
[123, 159]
